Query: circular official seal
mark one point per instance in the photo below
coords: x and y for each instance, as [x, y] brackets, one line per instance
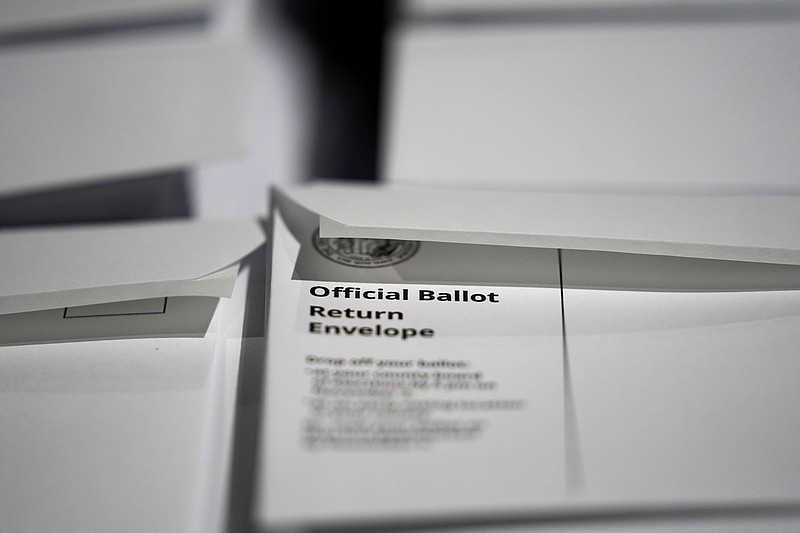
[365, 253]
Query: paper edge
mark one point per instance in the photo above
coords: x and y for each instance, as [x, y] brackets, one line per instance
[219, 284]
[332, 228]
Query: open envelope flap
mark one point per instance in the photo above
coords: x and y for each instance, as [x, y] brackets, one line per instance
[49, 268]
[391, 261]
[731, 226]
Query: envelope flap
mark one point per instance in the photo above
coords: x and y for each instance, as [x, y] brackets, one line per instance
[731, 225]
[130, 259]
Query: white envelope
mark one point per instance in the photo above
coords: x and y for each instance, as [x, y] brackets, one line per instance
[118, 280]
[81, 106]
[122, 434]
[565, 93]
[679, 315]
[133, 430]
[443, 402]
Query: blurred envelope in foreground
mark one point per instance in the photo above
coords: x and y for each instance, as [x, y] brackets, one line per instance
[127, 280]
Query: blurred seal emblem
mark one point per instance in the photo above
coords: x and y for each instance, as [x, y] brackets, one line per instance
[365, 253]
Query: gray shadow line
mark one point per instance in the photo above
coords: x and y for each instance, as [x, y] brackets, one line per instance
[573, 457]
[585, 520]
[101, 29]
[768, 12]
[249, 399]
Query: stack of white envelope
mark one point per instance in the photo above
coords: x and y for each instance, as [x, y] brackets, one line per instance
[619, 355]
[119, 353]
[99, 89]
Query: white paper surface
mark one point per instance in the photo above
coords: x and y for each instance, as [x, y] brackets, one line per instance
[698, 101]
[466, 418]
[120, 104]
[101, 436]
[278, 115]
[50, 268]
[745, 227]
[119, 435]
[686, 398]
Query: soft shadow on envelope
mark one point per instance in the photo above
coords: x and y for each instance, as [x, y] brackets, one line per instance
[431, 262]
[118, 281]
[647, 241]
[726, 224]
[182, 316]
